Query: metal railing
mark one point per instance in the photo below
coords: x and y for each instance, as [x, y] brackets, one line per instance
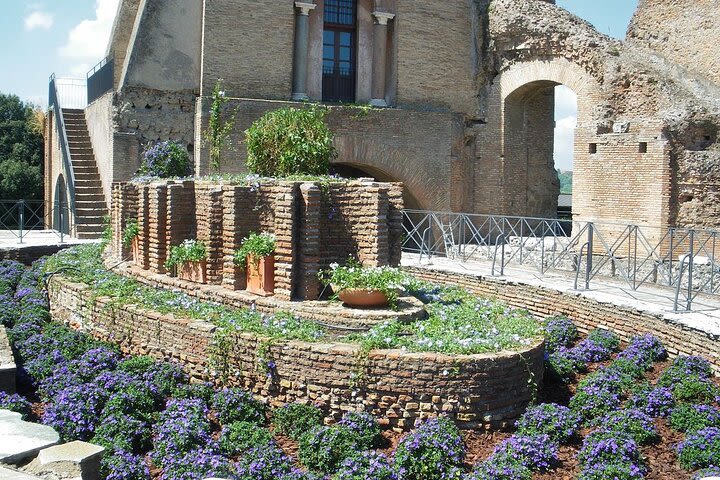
[100, 79]
[71, 92]
[18, 218]
[56, 102]
[681, 259]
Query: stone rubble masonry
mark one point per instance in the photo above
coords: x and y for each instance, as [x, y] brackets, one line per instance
[477, 391]
[314, 225]
[586, 313]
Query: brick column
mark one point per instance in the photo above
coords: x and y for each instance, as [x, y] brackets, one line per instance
[144, 226]
[308, 263]
[157, 224]
[285, 254]
[237, 202]
[300, 61]
[215, 237]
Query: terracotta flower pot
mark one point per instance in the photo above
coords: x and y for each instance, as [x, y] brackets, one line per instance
[261, 275]
[363, 298]
[193, 271]
[135, 250]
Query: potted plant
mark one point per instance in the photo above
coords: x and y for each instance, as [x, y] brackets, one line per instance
[130, 239]
[256, 257]
[364, 287]
[188, 261]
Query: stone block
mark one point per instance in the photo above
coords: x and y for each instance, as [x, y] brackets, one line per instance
[21, 440]
[76, 460]
[9, 474]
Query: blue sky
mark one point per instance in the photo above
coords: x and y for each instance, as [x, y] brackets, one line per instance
[68, 37]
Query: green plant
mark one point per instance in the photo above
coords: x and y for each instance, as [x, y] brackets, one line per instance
[131, 231]
[294, 419]
[255, 246]
[290, 141]
[695, 390]
[188, 251]
[217, 135]
[388, 280]
[691, 418]
[238, 437]
[433, 451]
[323, 449]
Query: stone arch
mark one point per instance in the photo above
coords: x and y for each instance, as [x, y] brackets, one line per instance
[527, 122]
[60, 207]
[356, 170]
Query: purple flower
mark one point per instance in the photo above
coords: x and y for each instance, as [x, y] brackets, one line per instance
[430, 452]
[538, 452]
[700, 449]
[556, 421]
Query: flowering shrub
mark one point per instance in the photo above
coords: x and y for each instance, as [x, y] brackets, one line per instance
[196, 464]
[430, 452]
[388, 280]
[364, 426]
[560, 331]
[235, 405]
[264, 462]
[290, 141]
[123, 432]
[323, 449]
[15, 403]
[700, 449]
[256, 246]
[188, 251]
[559, 423]
[605, 451]
[500, 467]
[294, 419]
[202, 391]
[125, 466]
[590, 351]
[655, 402]
[11, 272]
[635, 423]
[239, 437]
[695, 389]
[73, 413]
[606, 338]
[644, 350]
[165, 160]
[595, 400]
[9, 311]
[562, 366]
[182, 427]
[683, 367]
[537, 452]
[162, 378]
[366, 466]
[691, 418]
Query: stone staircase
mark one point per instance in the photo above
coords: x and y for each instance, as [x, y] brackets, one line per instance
[90, 207]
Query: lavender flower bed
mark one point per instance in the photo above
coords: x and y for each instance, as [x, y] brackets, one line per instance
[151, 420]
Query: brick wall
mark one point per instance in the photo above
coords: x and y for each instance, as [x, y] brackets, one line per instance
[314, 226]
[587, 313]
[477, 391]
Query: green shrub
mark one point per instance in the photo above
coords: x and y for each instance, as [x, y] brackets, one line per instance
[700, 449]
[131, 231]
[256, 246]
[188, 251]
[695, 390]
[691, 418]
[236, 405]
[137, 365]
[606, 338]
[365, 427]
[290, 141]
[323, 449]
[238, 437]
[295, 419]
[434, 451]
[165, 160]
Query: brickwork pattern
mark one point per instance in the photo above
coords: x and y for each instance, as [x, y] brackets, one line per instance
[477, 391]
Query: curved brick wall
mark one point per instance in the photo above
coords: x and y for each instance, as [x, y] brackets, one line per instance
[478, 391]
[586, 312]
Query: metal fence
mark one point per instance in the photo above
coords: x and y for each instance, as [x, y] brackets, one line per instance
[677, 258]
[100, 79]
[71, 92]
[19, 218]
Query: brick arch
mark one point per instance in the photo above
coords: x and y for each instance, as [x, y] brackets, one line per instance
[526, 99]
[356, 170]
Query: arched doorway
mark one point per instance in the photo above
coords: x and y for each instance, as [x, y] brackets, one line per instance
[60, 207]
[348, 170]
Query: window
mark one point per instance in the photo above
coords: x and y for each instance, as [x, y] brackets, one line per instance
[339, 44]
[643, 147]
[593, 148]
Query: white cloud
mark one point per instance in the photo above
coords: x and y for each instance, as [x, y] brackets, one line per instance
[38, 19]
[87, 41]
[565, 123]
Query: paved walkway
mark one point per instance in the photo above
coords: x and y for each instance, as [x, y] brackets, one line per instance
[33, 238]
[705, 314]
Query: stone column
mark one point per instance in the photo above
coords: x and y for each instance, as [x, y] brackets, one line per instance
[379, 58]
[299, 91]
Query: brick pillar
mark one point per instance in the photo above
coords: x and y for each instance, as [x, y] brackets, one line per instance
[123, 209]
[215, 236]
[395, 223]
[144, 226]
[157, 227]
[308, 253]
[237, 202]
[285, 228]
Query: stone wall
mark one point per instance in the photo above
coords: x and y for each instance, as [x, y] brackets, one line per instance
[585, 312]
[477, 391]
[314, 225]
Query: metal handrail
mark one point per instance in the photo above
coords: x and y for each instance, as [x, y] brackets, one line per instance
[499, 242]
[64, 146]
[683, 263]
[577, 268]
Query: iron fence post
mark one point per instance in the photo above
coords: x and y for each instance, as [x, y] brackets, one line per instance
[61, 222]
[691, 263]
[672, 248]
[634, 272]
[589, 261]
[21, 226]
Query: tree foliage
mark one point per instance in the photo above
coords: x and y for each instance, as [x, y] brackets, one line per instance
[21, 149]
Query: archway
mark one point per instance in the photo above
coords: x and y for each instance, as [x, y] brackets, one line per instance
[349, 170]
[60, 207]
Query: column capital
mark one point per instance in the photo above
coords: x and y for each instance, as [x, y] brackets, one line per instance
[382, 18]
[304, 8]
